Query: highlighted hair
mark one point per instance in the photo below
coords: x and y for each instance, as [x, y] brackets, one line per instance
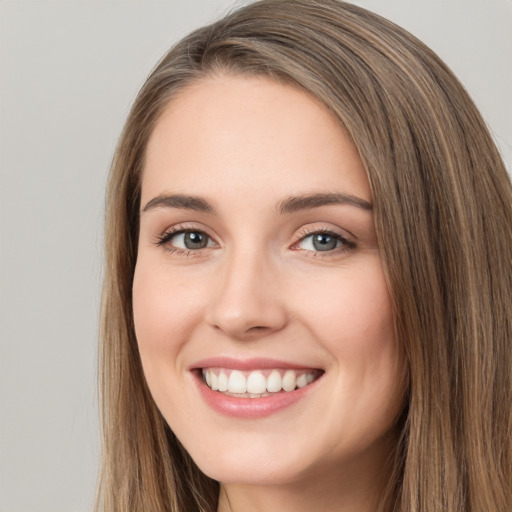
[443, 215]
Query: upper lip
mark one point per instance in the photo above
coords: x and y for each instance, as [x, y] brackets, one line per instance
[255, 363]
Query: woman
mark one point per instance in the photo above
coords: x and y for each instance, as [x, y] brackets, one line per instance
[308, 273]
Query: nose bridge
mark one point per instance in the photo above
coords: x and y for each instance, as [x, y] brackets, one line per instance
[247, 302]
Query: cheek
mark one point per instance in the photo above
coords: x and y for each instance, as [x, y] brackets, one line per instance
[349, 310]
[351, 316]
[164, 312]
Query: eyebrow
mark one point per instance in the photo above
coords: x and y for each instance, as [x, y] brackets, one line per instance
[289, 205]
[307, 202]
[197, 204]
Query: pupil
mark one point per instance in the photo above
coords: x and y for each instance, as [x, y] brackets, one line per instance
[195, 240]
[324, 242]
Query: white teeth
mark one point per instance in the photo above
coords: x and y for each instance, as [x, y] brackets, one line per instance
[223, 382]
[237, 382]
[214, 381]
[274, 382]
[302, 381]
[289, 380]
[256, 383]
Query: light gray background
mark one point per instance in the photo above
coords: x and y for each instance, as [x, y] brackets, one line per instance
[69, 70]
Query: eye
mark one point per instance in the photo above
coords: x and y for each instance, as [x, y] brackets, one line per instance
[324, 241]
[191, 240]
[186, 240]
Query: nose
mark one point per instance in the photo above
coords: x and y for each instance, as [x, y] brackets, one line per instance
[248, 303]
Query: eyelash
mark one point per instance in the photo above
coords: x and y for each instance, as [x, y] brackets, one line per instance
[346, 244]
[164, 239]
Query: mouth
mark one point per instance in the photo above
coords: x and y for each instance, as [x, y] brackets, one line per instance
[258, 383]
[253, 388]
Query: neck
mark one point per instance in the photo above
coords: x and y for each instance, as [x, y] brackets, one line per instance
[293, 499]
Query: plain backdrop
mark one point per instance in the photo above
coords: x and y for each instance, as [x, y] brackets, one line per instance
[69, 70]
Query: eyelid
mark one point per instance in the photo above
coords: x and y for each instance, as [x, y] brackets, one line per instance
[313, 228]
[165, 237]
[349, 243]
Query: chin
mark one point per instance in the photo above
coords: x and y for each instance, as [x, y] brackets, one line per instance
[253, 464]
[252, 472]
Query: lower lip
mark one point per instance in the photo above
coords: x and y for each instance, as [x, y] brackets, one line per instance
[251, 407]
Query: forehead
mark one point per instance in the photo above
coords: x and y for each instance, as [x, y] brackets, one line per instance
[251, 135]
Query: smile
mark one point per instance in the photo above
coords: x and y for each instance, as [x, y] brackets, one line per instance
[253, 388]
[257, 383]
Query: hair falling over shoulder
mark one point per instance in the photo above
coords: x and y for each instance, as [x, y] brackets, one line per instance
[443, 215]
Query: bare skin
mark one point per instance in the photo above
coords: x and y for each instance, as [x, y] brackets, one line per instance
[257, 244]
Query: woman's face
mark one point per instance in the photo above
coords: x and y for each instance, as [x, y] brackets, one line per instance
[259, 273]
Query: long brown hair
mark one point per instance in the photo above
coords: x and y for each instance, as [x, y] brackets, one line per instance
[443, 215]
